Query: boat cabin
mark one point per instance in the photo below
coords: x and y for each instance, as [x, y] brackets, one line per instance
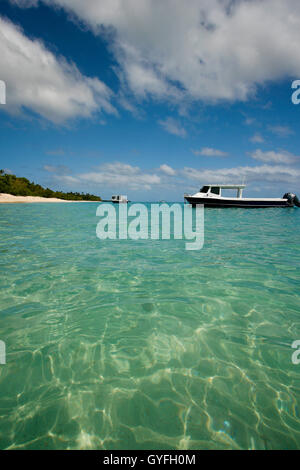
[216, 189]
[119, 198]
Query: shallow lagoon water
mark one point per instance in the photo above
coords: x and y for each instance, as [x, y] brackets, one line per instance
[142, 344]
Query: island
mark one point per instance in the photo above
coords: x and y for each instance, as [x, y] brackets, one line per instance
[19, 189]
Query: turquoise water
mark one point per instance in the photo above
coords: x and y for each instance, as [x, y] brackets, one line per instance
[142, 344]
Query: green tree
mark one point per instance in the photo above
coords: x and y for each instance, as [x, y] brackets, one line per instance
[11, 184]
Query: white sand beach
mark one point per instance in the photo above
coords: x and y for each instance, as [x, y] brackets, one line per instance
[9, 198]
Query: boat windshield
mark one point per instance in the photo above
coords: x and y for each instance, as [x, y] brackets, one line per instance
[204, 189]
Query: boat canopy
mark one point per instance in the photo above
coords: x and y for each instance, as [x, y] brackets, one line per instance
[216, 189]
[227, 186]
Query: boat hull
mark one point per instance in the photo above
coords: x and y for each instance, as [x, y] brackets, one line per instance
[115, 202]
[216, 202]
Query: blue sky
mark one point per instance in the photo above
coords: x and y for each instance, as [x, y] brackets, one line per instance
[151, 99]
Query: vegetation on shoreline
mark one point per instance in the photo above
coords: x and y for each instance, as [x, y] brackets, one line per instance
[11, 184]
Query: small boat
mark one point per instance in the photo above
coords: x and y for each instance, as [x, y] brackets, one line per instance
[211, 196]
[120, 199]
[117, 199]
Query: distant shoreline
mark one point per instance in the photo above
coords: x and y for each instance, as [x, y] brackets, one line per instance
[10, 199]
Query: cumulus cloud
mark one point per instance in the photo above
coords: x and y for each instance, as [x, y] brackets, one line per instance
[25, 3]
[250, 121]
[59, 169]
[262, 173]
[281, 131]
[210, 152]
[276, 157]
[120, 175]
[257, 139]
[47, 85]
[168, 170]
[173, 127]
[67, 179]
[212, 50]
[116, 176]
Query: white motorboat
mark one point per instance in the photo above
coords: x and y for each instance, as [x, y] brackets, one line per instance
[212, 196]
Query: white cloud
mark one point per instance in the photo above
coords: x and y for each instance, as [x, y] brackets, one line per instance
[257, 139]
[59, 169]
[168, 170]
[210, 152]
[173, 127]
[67, 179]
[208, 50]
[120, 175]
[276, 157]
[250, 121]
[25, 3]
[116, 176]
[56, 152]
[47, 85]
[281, 131]
[262, 173]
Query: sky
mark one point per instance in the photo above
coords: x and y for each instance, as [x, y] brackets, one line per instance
[151, 98]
